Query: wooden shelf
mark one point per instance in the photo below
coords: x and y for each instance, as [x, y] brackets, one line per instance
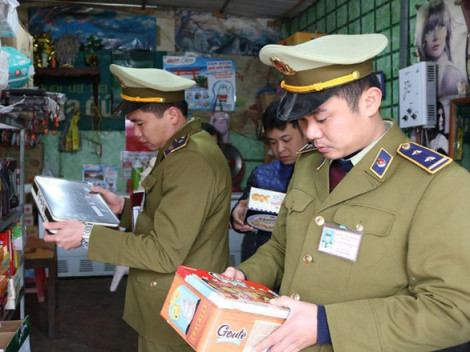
[67, 72]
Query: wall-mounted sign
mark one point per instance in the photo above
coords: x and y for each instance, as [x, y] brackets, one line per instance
[215, 80]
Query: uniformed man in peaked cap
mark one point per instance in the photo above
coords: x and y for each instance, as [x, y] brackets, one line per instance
[371, 247]
[184, 214]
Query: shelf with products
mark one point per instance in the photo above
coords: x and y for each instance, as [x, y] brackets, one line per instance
[12, 216]
[26, 112]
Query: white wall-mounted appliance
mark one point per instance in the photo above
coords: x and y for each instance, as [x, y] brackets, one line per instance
[418, 95]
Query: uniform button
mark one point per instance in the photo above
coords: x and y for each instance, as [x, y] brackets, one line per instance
[359, 227]
[295, 296]
[153, 284]
[319, 220]
[307, 258]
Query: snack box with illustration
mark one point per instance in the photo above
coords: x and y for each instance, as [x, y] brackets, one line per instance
[263, 207]
[213, 313]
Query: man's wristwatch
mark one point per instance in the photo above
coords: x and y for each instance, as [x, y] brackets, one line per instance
[86, 234]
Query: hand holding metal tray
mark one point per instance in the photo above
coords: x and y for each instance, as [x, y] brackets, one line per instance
[58, 199]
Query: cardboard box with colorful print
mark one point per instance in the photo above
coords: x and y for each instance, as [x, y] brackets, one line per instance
[213, 313]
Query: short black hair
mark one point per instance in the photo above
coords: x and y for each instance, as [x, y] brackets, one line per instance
[351, 92]
[159, 108]
[270, 120]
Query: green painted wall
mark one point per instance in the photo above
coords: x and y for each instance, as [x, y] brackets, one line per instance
[364, 16]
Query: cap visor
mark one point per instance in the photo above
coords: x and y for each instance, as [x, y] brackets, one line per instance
[294, 106]
[126, 107]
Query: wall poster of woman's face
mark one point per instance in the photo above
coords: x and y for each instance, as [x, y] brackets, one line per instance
[441, 36]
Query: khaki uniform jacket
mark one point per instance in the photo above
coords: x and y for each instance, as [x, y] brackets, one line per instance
[184, 222]
[409, 289]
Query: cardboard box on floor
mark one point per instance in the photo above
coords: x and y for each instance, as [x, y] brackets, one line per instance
[213, 313]
[14, 335]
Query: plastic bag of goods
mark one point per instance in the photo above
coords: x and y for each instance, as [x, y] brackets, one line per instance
[20, 68]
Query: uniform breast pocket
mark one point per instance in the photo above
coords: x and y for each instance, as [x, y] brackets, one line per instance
[383, 248]
[366, 219]
[296, 201]
[149, 182]
[152, 185]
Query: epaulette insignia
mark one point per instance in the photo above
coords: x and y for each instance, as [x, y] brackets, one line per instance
[306, 148]
[177, 144]
[425, 158]
[381, 163]
[321, 163]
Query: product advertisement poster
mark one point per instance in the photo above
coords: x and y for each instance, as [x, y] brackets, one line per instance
[101, 175]
[215, 78]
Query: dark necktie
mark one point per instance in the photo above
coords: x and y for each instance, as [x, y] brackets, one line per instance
[338, 169]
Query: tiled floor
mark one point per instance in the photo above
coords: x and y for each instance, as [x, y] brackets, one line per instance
[88, 318]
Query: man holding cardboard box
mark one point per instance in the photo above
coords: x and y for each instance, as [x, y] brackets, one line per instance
[380, 262]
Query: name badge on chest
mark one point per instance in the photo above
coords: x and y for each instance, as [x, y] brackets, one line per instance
[340, 241]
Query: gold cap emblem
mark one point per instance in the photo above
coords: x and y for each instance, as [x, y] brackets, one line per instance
[282, 66]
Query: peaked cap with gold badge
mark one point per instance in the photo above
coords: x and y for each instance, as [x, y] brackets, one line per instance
[313, 71]
[141, 86]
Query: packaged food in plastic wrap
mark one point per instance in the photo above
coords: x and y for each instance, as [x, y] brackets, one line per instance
[3, 70]
[20, 68]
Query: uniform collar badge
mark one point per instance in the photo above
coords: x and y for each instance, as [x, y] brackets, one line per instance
[177, 144]
[307, 147]
[381, 163]
[321, 163]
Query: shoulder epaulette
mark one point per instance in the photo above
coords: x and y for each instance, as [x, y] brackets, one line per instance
[307, 148]
[425, 158]
[177, 144]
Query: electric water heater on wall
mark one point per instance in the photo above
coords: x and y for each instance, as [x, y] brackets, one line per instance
[418, 94]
